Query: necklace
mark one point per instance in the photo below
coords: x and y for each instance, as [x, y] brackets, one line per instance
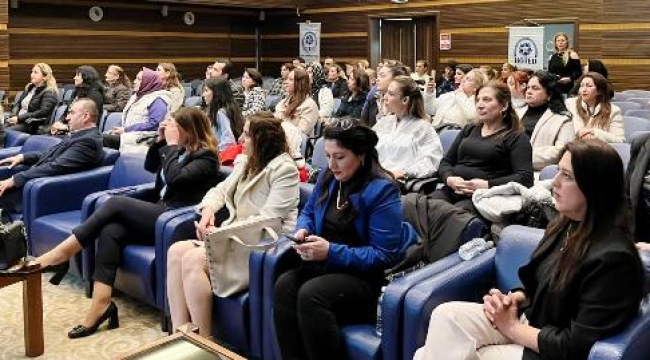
[340, 206]
[566, 239]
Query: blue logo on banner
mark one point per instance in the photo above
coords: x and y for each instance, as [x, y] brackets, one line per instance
[526, 52]
[309, 41]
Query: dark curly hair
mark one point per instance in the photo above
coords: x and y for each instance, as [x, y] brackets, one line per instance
[268, 140]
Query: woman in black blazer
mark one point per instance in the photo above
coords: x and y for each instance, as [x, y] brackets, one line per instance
[37, 103]
[185, 158]
[584, 282]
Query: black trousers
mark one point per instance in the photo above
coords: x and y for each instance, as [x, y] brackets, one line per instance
[309, 305]
[642, 223]
[121, 221]
[459, 200]
[111, 141]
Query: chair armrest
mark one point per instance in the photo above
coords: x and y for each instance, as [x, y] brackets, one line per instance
[140, 192]
[393, 303]
[467, 281]
[9, 151]
[171, 226]
[631, 344]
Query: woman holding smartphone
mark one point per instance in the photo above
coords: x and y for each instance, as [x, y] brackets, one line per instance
[349, 232]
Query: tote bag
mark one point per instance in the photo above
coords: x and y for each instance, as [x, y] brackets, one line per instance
[228, 251]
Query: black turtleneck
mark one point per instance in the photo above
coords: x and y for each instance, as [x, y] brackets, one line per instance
[531, 117]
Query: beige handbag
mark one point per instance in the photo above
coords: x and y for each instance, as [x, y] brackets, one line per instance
[228, 251]
[136, 142]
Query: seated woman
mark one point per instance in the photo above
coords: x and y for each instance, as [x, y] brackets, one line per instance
[494, 151]
[277, 89]
[457, 108]
[169, 76]
[545, 119]
[572, 292]
[374, 108]
[147, 108]
[118, 89]
[254, 101]
[264, 183]
[38, 101]
[186, 163]
[507, 70]
[358, 87]
[594, 116]
[517, 83]
[408, 146]
[349, 232]
[320, 92]
[223, 111]
[87, 85]
[297, 107]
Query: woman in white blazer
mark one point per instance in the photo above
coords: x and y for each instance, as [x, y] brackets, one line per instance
[594, 116]
[298, 107]
[264, 182]
[546, 120]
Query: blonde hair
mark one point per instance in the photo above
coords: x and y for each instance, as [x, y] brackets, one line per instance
[567, 53]
[50, 81]
[172, 80]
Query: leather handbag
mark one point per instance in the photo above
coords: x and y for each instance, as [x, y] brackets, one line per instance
[229, 248]
[13, 243]
[419, 185]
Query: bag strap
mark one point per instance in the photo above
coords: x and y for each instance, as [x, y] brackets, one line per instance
[262, 245]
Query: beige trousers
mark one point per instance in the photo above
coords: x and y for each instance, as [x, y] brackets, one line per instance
[460, 331]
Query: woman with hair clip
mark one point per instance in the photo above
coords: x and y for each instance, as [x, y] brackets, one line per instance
[264, 183]
[87, 85]
[320, 92]
[185, 161]
[118, 89]
[254, 101]
[408, 146]
[147, 108]
[38, 101]
[565, 63]
[169, 76]
[349, 232]
[297, 107]
[546, 120]
[374, 108]
[584, 282]
[494, 151]
[224, 113]
[594, 116]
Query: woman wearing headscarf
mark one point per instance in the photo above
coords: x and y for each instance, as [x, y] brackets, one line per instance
[320, 92]
[147, 108]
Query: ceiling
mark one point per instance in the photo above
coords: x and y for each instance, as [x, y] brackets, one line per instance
[266, 4]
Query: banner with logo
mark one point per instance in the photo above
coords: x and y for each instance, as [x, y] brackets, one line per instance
[526, 47]
[310, 42]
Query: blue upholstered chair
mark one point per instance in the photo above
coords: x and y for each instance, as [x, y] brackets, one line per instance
[112, 120]
[627, 105]
[447, 138]
[640, 113]
[49, 222]
[191, 101]
[470, 280]
[633, 124]
[14, 138]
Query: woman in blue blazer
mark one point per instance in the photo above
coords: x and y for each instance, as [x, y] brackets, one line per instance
[349, 232]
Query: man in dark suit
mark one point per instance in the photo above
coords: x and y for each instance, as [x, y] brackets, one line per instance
[638, 179]
[80, 150]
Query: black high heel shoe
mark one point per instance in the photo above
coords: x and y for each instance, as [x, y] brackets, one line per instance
[28, 267]
[110, 314]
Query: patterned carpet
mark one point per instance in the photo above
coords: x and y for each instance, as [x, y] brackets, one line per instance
[64, 307]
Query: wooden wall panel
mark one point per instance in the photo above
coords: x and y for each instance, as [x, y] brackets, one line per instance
[130, 34]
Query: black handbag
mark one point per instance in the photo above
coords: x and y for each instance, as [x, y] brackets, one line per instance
[419, 185]
[13, 243]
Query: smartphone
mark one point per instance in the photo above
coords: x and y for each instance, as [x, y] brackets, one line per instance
[295, 240]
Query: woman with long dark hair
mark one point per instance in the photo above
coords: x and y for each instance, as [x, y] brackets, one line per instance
[349, 232]
[594, 115]
[584, 281]
[494, 151]
[87, 85]
[254, 101]
[223, 111]
[264, 182]
[358, 87]
[185, 161]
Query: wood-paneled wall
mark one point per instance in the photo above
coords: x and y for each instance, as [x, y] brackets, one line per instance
[60, 33]
[616, 31]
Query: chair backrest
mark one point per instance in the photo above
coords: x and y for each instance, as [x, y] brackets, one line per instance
[188, 91]
[636, 93]
[623, 150]
[111, 121]
[272, 101]
[447, 138]
[516, 244]
[196, 83]
[191, 101]
[640, 113]
[60, 110]
[39, 143]
[303, 144]
[198, 91]
[305, 193]
[18, 95]
[128, 171]
[548, 172]
[319, 159]
[67, 96]
[627, 105]
[267, 82]
[15, 138]
[634, 124]
[643, 101]
[110, 156]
